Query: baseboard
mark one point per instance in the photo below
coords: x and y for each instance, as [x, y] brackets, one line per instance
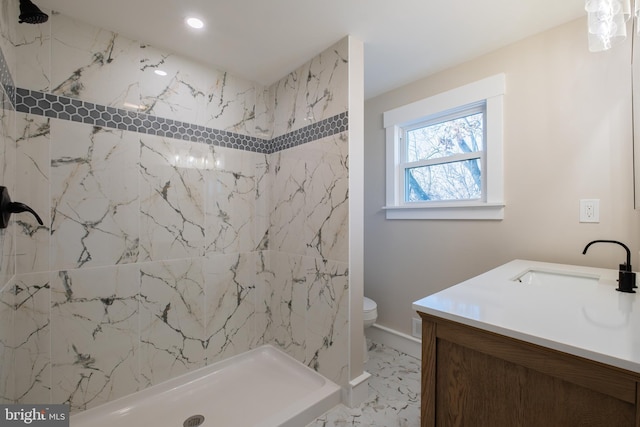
[357, 391]
[397, 340]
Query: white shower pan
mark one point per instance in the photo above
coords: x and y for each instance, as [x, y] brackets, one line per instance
[263, 387]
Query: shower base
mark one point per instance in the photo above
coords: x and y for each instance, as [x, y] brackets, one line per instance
[263, 387]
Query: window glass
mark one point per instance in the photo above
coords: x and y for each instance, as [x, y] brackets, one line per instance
[448, 181]
[444, 157]
[441, 139]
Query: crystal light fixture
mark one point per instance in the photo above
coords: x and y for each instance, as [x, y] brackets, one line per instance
[607, 22]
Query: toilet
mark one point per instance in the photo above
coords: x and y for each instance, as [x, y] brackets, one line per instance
[370, 314]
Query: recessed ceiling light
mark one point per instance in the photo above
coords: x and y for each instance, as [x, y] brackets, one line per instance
[195, 22]
[160, 72]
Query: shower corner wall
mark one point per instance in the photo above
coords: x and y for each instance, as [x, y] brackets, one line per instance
[202, 225]
[357, 390]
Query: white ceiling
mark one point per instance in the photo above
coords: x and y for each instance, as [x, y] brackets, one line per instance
[263, 40]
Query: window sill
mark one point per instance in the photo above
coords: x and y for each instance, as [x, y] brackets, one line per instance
[472, 211]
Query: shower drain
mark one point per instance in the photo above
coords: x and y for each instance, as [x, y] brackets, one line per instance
[193, 421]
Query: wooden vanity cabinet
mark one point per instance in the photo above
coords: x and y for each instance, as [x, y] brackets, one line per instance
[476, 378]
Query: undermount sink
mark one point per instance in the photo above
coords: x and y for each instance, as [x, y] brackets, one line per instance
[555, 278]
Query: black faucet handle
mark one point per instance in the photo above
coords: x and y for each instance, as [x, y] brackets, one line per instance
[17, 207]
[626, 267]
[7, 207]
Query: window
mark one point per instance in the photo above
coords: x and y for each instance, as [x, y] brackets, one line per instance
[442, 158]
[444, 155]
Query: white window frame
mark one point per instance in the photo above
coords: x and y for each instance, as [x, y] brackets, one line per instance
[489, 91]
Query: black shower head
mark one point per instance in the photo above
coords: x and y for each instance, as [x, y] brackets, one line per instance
[31, 14]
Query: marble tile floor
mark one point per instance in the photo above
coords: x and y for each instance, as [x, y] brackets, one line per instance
[394, 393]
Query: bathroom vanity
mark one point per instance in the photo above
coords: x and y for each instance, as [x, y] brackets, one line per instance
[531, 344]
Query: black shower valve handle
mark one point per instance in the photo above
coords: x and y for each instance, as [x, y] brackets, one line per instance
[7, 207]
[17, 207]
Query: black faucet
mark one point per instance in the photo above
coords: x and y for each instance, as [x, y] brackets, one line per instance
[626, 277]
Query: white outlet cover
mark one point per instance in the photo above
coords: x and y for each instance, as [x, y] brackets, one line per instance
[590, 210]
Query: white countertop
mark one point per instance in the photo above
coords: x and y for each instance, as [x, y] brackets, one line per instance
[585, 318]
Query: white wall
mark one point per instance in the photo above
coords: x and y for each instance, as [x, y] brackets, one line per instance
[567, 137]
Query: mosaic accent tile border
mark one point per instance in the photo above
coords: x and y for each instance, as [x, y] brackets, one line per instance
[327, 127]
[65, 108]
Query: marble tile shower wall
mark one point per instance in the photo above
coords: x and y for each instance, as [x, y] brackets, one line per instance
[163, 253]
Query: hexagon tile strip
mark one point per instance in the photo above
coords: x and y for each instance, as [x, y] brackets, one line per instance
[322, 129]
[65, 108]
